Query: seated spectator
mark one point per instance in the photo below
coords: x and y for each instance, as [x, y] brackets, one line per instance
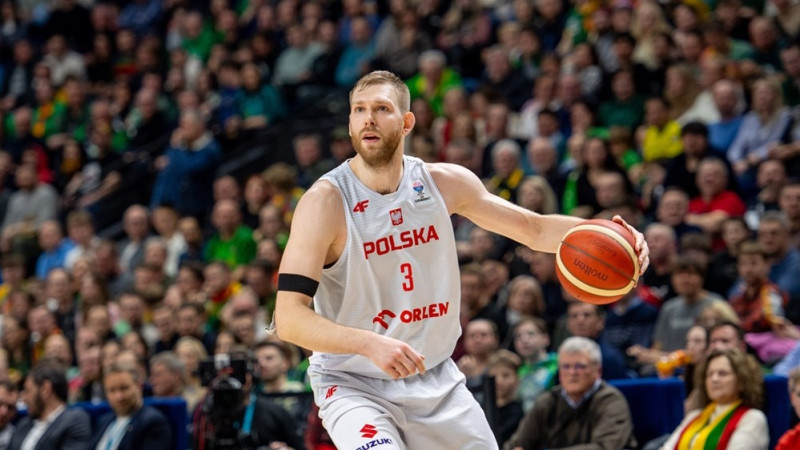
[54, 249]
[191, 321]
[761, 128]
[165, 221]
[758, 302]
[12, 269]
[771, 176]
[480, 342]
[504, 366]
[187, 168]
[583, 409]
[28, 208]
[682, 169]
[537, 371]
[507, 169]
[49, 424]
[730, 393]
[783, 260]
[354, 61]
[722, 269]
[164, 321]
[791, 439]
[525, 298]
[789, 203]
[660, 136]
[729, 101]
[626, 108]
[136, 223]
[81, 231]
[588, 320]
[8, 411]
[87, 385]
[191, 353]
[630, 321]
[726, 334]
[715, 201]
[672, 209]
[678, 314]
[542, 267]
[131, 424]
[168, 378]
[15, 343]
[663, 246]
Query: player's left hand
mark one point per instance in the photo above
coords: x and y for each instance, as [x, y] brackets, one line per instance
[642, 250]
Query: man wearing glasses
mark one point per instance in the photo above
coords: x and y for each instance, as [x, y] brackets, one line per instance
[582, 409]
[8, 410]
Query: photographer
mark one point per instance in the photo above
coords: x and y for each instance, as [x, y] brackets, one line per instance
[234, 416]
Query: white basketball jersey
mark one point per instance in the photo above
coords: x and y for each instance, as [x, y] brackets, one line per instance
[398, 274]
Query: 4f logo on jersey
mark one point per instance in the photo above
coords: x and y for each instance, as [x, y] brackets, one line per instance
[381, 315]
[361, 206]
[331, 391]
[397, 216]
[419, 188]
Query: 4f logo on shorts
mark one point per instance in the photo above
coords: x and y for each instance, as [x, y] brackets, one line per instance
[379, 318]
[330, 391]
[368, 431]
[397, 216]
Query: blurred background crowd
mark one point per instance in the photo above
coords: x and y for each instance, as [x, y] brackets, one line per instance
[152, 152]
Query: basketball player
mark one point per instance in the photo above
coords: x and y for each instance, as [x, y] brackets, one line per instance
[373, 244]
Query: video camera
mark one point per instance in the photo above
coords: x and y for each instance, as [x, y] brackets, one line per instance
[225, 378]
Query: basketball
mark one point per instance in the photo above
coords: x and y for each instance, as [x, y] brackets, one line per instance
[596, 261]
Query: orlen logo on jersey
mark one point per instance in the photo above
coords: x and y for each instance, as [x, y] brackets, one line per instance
[413, 315]
[406, 239]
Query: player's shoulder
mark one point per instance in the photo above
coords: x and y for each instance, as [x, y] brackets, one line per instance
[322, 197]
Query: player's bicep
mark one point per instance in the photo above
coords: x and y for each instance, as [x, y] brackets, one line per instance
[466, 195]
[316, 225]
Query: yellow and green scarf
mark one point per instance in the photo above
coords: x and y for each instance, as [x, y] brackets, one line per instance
[704, 434]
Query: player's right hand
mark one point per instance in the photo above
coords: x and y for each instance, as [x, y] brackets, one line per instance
[394, 357]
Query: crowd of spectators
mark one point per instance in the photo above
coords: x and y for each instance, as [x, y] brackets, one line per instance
[683, 117]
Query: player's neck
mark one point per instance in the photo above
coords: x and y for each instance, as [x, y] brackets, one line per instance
[384, 179]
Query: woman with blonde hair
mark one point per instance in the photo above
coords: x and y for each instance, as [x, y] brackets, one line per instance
[191, 352]
[717, 311]
[535, 194]
[648, 22]
[730, 393]
[681, 89]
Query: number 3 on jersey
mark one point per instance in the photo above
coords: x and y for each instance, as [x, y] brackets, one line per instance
[408, 283]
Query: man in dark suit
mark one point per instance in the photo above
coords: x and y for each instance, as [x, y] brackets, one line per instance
[49, 425]
[132, 425]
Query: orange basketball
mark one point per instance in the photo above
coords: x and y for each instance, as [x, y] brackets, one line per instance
[596, 261]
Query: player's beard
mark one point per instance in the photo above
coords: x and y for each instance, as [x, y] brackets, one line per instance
[382, 156]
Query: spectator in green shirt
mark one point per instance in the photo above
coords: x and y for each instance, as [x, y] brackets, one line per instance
[433, 80]
[233, 242]
[627, 108]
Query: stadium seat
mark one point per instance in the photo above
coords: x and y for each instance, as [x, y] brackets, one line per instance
[776, 406]
[656, 405]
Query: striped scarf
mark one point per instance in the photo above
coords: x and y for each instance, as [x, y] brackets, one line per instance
[705, 434]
